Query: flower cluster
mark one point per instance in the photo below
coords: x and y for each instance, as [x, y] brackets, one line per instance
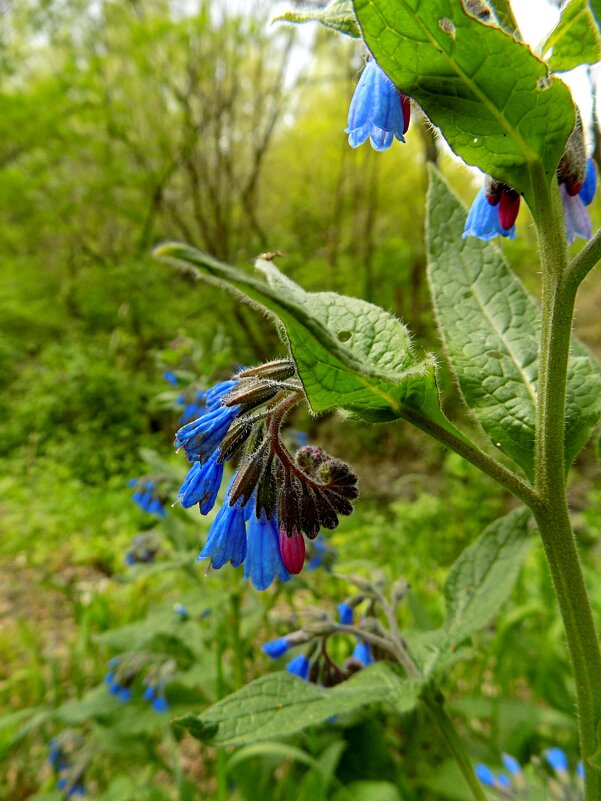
[378, 111]
[148, 495]
[144, 549]
[496, 206]
[65, 757]
[126, 670]
[274, 499]
[513, 785]
[317, 665]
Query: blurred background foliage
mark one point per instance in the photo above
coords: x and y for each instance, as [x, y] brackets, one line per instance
[129, 122]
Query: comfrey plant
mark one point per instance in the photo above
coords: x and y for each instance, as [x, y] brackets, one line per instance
[533, 391]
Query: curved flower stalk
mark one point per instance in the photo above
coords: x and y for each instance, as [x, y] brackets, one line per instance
[274, 499]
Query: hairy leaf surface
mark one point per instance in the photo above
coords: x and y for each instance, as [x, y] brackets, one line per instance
[576, 38]
[278, 705]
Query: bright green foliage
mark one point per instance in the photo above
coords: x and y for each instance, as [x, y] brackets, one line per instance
[489, 326]
[493, 100]
[349, 354]
[595, 6]
[338, 15]
[280, 704]
[575, 40]
[478, 584]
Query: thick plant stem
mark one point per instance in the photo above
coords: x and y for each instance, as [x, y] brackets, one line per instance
[435, 706]
[551, 512]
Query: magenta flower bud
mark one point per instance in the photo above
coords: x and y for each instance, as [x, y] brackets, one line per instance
[292, 549]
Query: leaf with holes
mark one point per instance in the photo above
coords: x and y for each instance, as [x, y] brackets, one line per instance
[490, 330]
[349, 353]
[575, 40]
[338, 15]
[492, 98]
[280, 704]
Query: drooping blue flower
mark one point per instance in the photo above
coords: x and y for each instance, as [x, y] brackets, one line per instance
[149, 693]
[263, 560]
[589, 187]
[123, 694]
[577, 220]
[276, 648]
[345, 614]
[171, 378]
[483, 220]
[378, 110]
[201, 437]
[511, 764]
[557, 758]
[485, 775]
[363, 654]
[202, 484]
[181, 611]
[145, 496]
[226, 541]
[214, 395]
[580, 770]
[144, 549]
[299, 666]
[160, 704]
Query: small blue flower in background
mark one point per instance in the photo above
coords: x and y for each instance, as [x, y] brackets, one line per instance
[517, 785]
[345, 614]
[378, 110]
[68, 770]
[263, 562]
[321, 554]
[156, 695]
[558, 759]
[299, 666]
[181, 611]
[276, 648]
[171, 378]
[483, 220]
[146, 496]
[144, 549]
[363, 654]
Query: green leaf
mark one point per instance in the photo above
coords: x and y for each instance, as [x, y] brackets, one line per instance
[478, 584]
[575, 40]
[483, 577]
[490, 330]
[368, 791]
[338, 15]
[349, 353]
[595, 6]
[492, 98]
[280, 704]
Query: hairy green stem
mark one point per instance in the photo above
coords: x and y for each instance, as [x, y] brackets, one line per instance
[552, 515]
[435, 705]
[584, 262]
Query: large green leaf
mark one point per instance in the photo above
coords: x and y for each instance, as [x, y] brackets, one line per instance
[477, 585]
[483, 577]
[595, 6]
[492, 98]
[338, 15]
[349, 353]
[490, 330]
[575, 40]
[280, 704]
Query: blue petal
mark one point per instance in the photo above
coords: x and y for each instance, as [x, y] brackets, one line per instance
[160, 704]
[214, 395]
[263, 558]
[376, 111]
[362, 653]
[556, 757]
[201, 437]
[170, 377]
[149, 693]
[276, 648]
[577, 220]
[226, 541]
[511, 764]
[483, 220]
[201, 485]
[345, 614]
[589, 187]
[360, 112]
[299, 666]
[485, 775]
